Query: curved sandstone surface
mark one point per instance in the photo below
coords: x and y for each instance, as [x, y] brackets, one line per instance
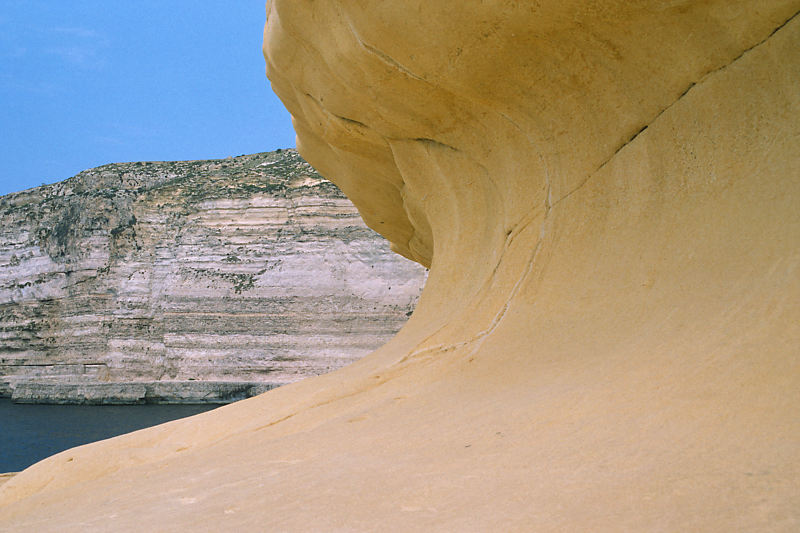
[607, 195]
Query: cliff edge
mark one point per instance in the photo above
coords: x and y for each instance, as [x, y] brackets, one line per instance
[190, 282]
[607, 194]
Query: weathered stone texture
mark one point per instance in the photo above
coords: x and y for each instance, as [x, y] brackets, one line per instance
[195, 281]
[607, 193]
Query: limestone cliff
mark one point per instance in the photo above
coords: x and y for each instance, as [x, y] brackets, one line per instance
[189, 281]
[607, 193]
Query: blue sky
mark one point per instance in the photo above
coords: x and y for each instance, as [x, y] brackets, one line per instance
[89, 82]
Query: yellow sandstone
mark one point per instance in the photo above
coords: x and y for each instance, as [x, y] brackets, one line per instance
[608, 195]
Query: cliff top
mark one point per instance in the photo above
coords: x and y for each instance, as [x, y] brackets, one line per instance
[277, 172]
[105, 197]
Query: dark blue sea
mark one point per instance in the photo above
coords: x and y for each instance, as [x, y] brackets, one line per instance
[29, 433]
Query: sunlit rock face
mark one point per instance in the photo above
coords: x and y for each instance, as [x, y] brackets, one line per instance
[199, 281]
[606, 195]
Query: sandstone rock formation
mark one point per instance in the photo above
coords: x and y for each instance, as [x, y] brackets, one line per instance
[192, 281]
[607, 195]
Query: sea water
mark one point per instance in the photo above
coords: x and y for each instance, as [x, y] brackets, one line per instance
[30, 433]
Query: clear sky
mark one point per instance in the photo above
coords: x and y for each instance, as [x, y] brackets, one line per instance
[89, 82]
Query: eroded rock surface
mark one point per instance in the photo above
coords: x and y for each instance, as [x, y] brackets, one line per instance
[607, 195]
[196, 281]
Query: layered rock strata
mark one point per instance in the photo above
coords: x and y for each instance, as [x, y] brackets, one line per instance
[607, 195]
[198, 281]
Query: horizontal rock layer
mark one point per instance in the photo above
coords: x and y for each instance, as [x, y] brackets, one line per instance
[184, 281]
[137, 392]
